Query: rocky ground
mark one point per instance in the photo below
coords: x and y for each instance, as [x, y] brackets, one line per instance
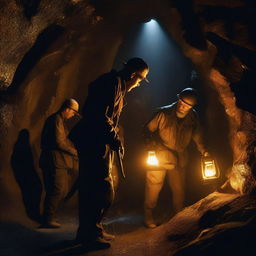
[218, 224]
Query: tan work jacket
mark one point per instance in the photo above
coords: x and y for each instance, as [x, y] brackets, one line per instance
[57, 150]
[174, 134]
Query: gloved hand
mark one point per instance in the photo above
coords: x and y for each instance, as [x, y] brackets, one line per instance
[121, 149]
[206, 153]
[76, 158]
[150, 145]
[73, 152]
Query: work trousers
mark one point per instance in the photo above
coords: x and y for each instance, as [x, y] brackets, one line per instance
[172, 166]
[56, 186]
[96, 192]
[154, 184]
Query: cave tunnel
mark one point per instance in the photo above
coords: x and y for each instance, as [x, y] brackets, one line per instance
[52, 50]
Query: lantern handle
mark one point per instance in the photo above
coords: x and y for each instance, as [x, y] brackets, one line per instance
[205, 154]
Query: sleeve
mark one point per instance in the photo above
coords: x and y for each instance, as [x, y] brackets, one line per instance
[198, 136]
[150, 130]
[155, 122]
[62, 142]
[109, 130]
[100, 107]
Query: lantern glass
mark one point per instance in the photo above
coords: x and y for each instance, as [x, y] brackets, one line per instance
[209, 168]
[152, 159]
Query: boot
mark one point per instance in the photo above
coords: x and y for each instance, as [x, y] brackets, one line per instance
[49, 221]
[148, 218]
[50, 224]
[106, 236]
[95, 244]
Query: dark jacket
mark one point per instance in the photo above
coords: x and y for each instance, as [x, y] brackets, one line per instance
[57, 150]
[101, 112]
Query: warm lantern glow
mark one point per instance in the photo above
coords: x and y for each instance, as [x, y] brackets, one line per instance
[152, 159]
[209, 168]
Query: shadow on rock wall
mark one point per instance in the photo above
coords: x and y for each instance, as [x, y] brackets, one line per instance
[244, 91]
[30, 59]
[26, 176]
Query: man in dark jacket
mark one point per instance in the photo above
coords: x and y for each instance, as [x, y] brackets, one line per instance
[57, 156]
[168, 133]
[96, 138]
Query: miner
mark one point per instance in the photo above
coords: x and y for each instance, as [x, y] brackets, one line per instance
[96, 138]
[169, 133]
[58, 157]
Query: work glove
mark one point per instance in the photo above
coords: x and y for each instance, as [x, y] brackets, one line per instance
[121, 150]
[205, 153]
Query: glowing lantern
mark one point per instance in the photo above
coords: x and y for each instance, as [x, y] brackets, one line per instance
[209, 168]
[152, 159]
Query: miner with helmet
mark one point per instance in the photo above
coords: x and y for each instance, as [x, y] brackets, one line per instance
[169, 133]
[58, 160]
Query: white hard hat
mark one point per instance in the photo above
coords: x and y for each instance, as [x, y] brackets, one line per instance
[72, 104]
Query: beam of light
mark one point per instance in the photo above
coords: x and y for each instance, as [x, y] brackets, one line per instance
[169, 72]
[132, 219]
[152, 25]
[169, 69]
